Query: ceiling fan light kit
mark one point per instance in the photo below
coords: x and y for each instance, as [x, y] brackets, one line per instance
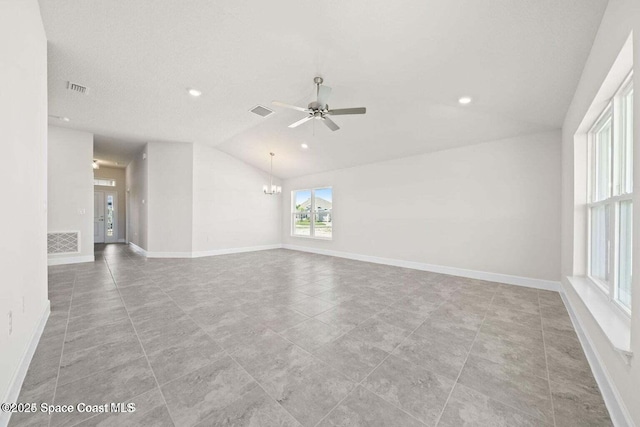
[319, 109]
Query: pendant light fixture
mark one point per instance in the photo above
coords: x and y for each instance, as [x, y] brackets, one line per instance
[271, 189]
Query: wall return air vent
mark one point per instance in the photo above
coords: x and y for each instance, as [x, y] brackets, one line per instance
[65, 242]
[75, 87]
[262, 111]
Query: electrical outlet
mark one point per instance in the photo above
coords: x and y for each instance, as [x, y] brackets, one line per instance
[10, 322]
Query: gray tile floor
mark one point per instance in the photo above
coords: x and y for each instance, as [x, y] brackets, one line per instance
[283, 338]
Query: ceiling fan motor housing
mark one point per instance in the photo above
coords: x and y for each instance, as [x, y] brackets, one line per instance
[319, 109]
[315, 105]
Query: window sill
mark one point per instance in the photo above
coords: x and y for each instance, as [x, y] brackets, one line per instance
[615, 325]
[313, 237]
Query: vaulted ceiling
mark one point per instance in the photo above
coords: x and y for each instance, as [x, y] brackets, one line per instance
[407, 61]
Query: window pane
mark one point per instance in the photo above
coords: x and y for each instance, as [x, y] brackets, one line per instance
[302, 224]
[602, 158]
[301, 213]
[599, 265]
[626, 143]
[323, 212]
[302, 201]
[623, 291]
[110, 216]
[104, 182]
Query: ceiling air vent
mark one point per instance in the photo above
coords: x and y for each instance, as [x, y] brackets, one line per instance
[77, 88]
[261, 111]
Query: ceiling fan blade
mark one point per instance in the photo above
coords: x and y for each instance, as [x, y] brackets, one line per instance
[330, 124]
[323, 95]
[299, 122]
[293, 107]
[343, 111]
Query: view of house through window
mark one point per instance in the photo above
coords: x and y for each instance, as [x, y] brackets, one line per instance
[610, 193]
[312, 213]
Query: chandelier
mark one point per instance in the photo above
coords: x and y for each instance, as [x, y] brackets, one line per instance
[271, 190]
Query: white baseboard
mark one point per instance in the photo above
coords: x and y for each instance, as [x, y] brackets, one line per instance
[617, 410]
[168, 254]
[472, 274]
[199, 254]
[138, 249]
[21, 372]
[461, 272]
[70, 260]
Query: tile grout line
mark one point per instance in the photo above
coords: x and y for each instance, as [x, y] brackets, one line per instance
[517, 410]
[259, 385]
[228, 355]
[546, 363]
[306, 351]
[377, 366]
[475, 338]
[390, 305]
[141, 266]
[53, 398]
[120, 413]
[140, 342]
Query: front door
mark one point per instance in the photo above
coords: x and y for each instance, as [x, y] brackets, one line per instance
[98, 217]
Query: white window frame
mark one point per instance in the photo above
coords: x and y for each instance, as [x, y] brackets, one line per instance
[97, 180]
[615, 194]
[312, 213]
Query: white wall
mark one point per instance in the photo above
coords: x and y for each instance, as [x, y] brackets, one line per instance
[170, 197]
[229, 208]
[491, 207]
[620, 18]
[23, 138]
[137, 183]
[120, 176]
[70, 188]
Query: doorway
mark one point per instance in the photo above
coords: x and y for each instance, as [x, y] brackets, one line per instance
[105, 217]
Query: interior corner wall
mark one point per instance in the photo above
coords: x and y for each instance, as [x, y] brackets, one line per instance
[137, 194]
[23, 137]
[170, 198]
[620, 19]
[492, 207]
[119, 175]
[70, 189]
[230, 211]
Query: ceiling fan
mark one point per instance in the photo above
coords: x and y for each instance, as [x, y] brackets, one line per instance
[319, 109]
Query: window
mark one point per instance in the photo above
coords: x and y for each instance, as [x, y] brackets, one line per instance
[610, 193]
[312, 214]
[101, 182]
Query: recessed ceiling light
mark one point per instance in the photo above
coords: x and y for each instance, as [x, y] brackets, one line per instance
[195, 92]
[303, 145]
[464, 100]
[65, 119]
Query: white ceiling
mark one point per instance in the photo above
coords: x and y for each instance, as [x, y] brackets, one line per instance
[406, 61]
